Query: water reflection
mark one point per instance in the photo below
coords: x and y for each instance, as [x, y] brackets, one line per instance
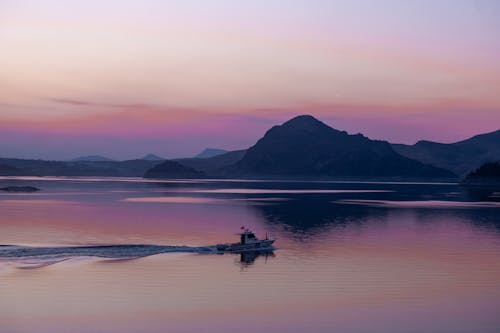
[248, 258]
[406, 269]
[315, 213]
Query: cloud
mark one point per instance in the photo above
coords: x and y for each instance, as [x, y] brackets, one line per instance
[72, 102]
[76, 102]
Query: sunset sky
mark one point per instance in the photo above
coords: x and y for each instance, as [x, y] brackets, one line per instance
[124, 78]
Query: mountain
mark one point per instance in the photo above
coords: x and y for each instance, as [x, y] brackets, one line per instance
[152, 157]
[92, 158]
[210, 152]
[172, 169]
[301, 148]
[213, 165]
[304, 147]
[486, 174]
[460, 157]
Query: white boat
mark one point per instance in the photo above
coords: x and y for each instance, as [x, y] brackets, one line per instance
[248, 242]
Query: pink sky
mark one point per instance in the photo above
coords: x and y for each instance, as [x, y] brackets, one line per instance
[126, 78]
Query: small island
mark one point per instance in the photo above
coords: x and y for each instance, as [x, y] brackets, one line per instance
[19, 189]
[171, 169]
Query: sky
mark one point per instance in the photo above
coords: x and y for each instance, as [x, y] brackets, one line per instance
[123, 78]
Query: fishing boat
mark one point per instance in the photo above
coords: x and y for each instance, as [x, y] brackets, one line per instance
[248, 242]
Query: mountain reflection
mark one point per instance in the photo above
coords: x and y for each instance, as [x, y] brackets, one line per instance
[312, 214]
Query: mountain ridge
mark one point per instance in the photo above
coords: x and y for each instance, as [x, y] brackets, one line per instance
[210, 152]
[461, 157]
[304, 147]
[152, 157]
[300, 148]
[92, 158]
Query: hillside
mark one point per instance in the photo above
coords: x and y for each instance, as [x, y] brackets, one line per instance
[488, 174]
[213, 165]
[172, 169]
[460, 157]
[210, 152]
[26, 167]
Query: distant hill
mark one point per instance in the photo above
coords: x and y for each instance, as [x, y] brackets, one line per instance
[487, 174]
[9, 170]
[213, 165]
[92, 158]
[23, 167]
[210, 152]
[172, 169]
[460, 157]
[152, 157]
[306, 147]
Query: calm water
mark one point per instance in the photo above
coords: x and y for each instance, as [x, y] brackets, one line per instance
[351, 257]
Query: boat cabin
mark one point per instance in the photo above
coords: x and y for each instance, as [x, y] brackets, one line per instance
[248, 237]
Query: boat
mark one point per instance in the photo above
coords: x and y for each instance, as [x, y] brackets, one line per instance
[248, 242]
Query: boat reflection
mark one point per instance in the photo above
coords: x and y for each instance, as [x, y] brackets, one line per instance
[247, 258]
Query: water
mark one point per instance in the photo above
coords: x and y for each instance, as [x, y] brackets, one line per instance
[126, 255]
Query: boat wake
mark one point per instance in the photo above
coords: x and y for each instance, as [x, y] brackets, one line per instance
[35, 257]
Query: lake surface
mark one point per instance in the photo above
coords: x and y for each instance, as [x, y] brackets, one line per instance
[350, 257]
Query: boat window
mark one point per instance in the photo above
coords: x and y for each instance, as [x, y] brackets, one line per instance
[251, 236]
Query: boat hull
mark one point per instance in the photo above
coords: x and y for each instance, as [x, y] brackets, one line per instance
[238, 247]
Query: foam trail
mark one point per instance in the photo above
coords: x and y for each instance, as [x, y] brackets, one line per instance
[55, 254]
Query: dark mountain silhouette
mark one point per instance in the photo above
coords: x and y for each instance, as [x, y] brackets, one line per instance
[487, 174]
[152, 157]
[301, 148]
[92, 158]
[9, 170]
[460, 157]
[172, 169]
[23, 167]
[213, 165]
[306, 147]
[210, 152]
